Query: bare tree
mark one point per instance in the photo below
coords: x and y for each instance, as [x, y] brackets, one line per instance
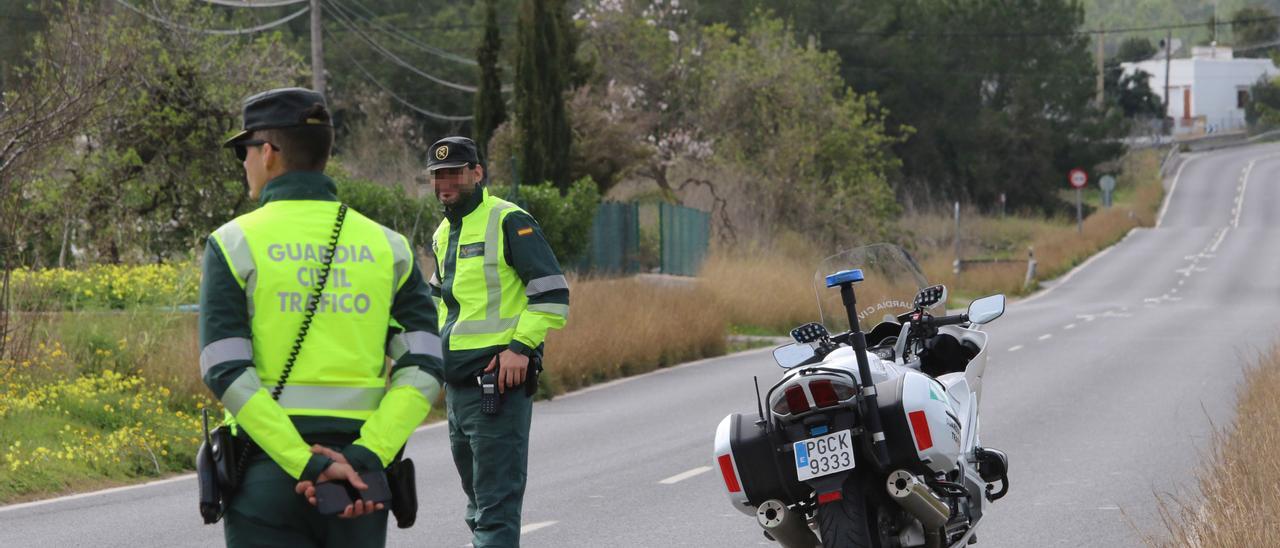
[69, 78]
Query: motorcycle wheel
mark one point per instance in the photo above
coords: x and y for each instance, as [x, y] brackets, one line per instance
[846, 523]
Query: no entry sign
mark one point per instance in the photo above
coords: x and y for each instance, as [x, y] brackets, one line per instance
[1078, 178]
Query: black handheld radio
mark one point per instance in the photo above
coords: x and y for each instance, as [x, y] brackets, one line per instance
[490, 399]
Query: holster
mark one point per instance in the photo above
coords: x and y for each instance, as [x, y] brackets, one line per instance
[216, 471]
[531, 378]
[404, 491]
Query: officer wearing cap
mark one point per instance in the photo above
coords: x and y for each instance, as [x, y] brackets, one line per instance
[319, 404]
[501, 290]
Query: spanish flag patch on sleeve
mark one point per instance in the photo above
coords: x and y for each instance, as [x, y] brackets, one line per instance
[525, 231]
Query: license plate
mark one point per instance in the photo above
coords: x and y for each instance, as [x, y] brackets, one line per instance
[824, 455]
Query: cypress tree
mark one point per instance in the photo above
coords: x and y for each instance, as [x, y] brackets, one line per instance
[490, 111]
[542, 76]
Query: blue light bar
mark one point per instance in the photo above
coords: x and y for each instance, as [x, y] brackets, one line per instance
[845, 277]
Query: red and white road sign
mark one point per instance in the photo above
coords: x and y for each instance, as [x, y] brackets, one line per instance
[1078, 178]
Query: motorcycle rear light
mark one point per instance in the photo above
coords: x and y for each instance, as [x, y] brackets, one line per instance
[726, 470]
[824, 395]
[830, 497]
[797, 402]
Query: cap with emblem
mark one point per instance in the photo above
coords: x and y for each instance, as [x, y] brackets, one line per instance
[281, 108]
[451, 152]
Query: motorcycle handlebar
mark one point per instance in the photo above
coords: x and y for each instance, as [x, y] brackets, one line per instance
[951, 320]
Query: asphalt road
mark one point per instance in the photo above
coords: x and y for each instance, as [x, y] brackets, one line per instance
[1103, 391]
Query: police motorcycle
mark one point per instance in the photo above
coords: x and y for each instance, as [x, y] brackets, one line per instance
[870, 439]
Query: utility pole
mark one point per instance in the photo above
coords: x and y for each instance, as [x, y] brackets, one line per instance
[1102, 39]
[317, 49]
[1168, 56]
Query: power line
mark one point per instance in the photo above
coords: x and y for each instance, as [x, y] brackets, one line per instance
[253, 4]
[346, 22]
[371, 19]
[401, 100]
[1038, 34]
[220, 32]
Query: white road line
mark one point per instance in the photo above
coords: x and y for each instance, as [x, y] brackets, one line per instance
[685, 475]
[1235, 223]
[1069, 326]
[1015, 348]
[1169, 197]
[1046, 336]
[174, 479]
[1063, 281]
[525, 529]
[122, 488]
[659, 371]
[1221, 235]
[535, 526]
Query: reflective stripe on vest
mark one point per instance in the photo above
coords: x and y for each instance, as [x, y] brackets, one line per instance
[235, 250]
[493, 322]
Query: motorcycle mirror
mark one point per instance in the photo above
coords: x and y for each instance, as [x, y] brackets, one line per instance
[791, 355]
[931, 295]
[810, 332]
[986, 309]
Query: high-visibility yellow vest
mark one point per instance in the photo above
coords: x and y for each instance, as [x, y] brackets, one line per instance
[275, 254]
[489, 292]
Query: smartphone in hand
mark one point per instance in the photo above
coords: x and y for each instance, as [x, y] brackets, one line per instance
[332, 497]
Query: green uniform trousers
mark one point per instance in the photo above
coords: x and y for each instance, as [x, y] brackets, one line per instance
[267, 512]
[491, 453]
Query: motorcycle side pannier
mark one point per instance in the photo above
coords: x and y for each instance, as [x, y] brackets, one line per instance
[897, 433]
[762, 474]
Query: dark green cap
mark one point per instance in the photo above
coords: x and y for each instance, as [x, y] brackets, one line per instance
[451, 152]
[281, 108]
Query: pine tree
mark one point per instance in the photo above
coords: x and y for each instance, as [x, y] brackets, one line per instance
[490, 111]
[542, 77]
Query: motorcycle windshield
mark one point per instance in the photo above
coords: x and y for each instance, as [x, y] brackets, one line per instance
[891, 279]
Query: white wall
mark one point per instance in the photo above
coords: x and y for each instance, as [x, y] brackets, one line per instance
[1216, 85]
[1213, 84]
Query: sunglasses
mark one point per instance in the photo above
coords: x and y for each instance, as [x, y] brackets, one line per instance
[242, 148]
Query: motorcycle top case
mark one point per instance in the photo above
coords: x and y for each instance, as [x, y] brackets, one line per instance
[759, 474]
[921, 433]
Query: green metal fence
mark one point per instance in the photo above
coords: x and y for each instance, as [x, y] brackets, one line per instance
[615, 240]
[627, 238]
[685, 235]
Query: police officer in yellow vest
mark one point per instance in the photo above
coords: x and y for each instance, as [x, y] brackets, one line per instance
[341, 411]
[502, 290]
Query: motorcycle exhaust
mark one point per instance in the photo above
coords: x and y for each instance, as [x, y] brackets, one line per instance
[787, 527]
[916, 498]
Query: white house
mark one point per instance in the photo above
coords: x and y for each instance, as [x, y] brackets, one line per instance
[1208, 92]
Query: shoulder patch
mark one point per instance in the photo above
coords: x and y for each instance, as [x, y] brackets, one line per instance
[525, 231]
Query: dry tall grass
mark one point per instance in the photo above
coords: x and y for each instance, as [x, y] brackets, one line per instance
[763, 288]
[1240, 481]
[1057, 245]
[621, 327]
[770, 287]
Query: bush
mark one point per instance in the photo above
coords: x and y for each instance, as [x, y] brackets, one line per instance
[390, 206]
[1262, 112]
[565, 220]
